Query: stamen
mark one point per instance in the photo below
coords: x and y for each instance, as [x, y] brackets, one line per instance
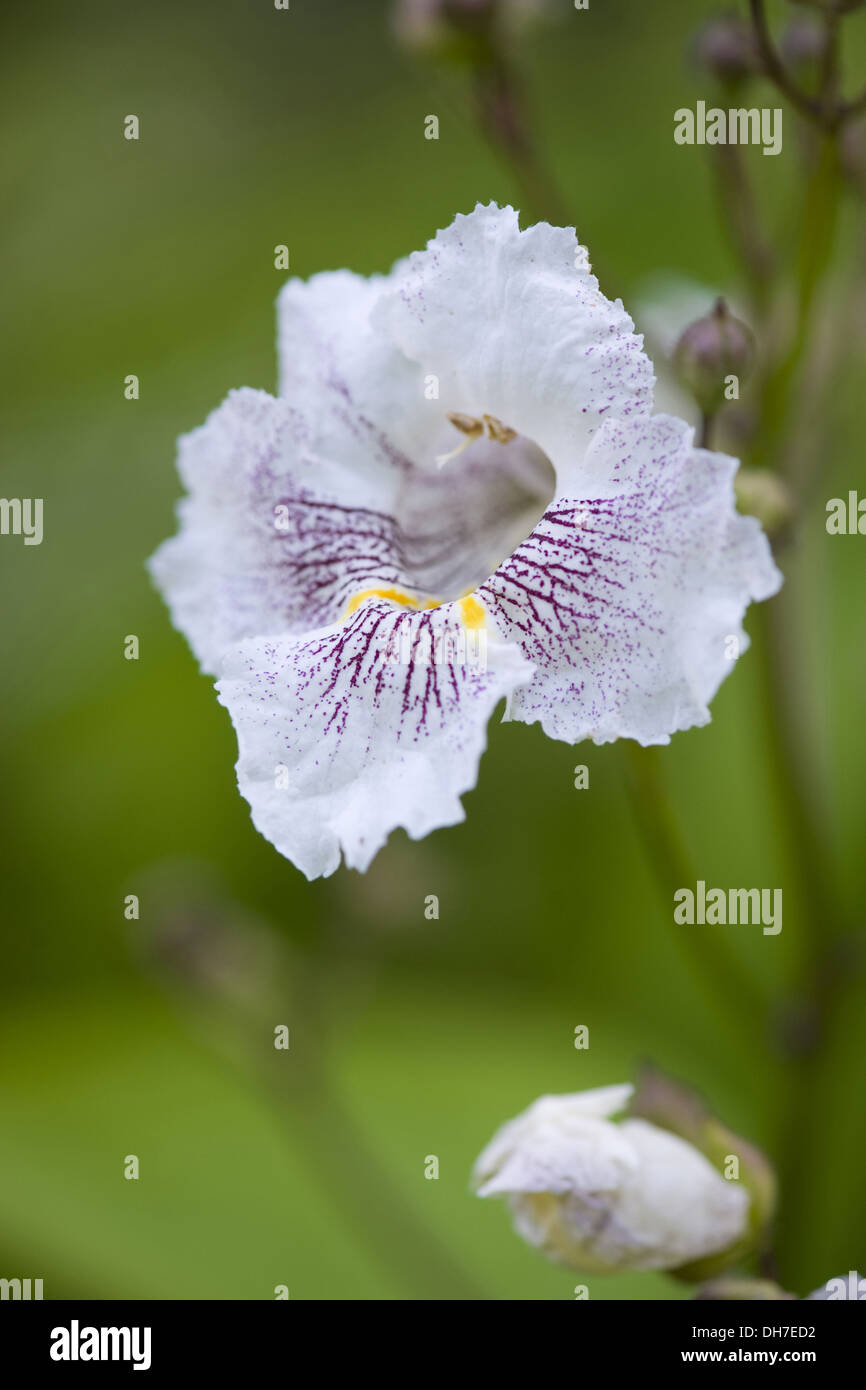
[474, 429]
[442, 459]
[503, 434]
[466, 424]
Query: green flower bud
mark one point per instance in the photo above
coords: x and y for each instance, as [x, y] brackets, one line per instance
[710, 352]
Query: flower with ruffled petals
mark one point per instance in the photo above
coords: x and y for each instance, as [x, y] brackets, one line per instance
[461, 450]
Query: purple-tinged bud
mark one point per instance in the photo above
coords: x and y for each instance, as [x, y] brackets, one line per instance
[710, 353]
[804, 45]
[725, 47]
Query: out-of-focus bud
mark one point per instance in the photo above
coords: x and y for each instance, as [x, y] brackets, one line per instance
[710, 352]
[663, 1101]
[602, 1196]
[463, 29]
[745, 1290]
[803, 45]
[847, 1287]
[725, 47]
[212, 953]
[765, 495]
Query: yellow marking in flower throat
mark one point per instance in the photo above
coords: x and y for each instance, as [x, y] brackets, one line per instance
[472, 612]
[395, 595]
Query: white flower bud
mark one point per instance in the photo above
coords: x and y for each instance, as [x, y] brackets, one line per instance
[602, 1196]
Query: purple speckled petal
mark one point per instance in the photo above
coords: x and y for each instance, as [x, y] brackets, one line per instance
[285, 523]
[277, 534]
[377, 723]
[627, 594]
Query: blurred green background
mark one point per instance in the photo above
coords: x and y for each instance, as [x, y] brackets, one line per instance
[260, 127]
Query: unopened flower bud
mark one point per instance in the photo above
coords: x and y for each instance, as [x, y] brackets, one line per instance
[711, 352]
[804, 44]
[662, 1100]
[602, 1196]
[207, 947]
[725, 47]
[765, 495]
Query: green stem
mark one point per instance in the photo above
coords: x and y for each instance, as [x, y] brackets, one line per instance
[740, 212]
[713, 968]
[502, 115]
[235, 1006]
[825, 968]
[368, 1199]
[705, 433]
[341, 1158]
[775, 69]
[789, 728]
[503, 118]
[820, 215]
[787, 732]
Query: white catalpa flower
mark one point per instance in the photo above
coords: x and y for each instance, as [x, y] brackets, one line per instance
[459, 495]
[600, 1196]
